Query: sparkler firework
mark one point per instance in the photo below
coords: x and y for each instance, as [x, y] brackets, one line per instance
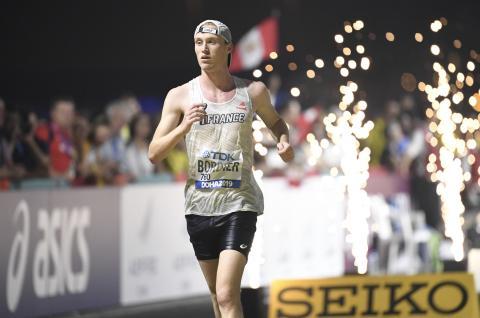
[451, 134]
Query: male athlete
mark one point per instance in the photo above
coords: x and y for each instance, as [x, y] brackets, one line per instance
[214, 113]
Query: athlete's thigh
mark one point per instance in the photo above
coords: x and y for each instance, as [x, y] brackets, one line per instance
[230, 269]
[209, 270]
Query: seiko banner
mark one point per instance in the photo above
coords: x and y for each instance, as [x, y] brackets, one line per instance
[59, 251]
[432, 296]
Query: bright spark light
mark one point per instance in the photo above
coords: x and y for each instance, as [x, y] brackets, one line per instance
[344, 71]
[418, 37]
[358, 25]
[421, 86]
[435, 26]
[345, 131]
[471, 66]
[339, 61]
[451, 68]
[273, 55]
[469, 80]
[447, 168]
[257, 73]
[435, 49]
[319, 63]
[472, 101]
[315, 150]
[365, 63]
[295, 91]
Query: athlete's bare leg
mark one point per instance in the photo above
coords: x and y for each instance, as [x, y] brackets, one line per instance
[209, 269]
[229, 276]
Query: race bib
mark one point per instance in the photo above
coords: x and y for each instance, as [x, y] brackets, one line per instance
[215, 169]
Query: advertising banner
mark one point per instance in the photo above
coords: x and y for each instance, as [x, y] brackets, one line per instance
[432, 296]
[59, 251]
[157, 259]
[302, 231]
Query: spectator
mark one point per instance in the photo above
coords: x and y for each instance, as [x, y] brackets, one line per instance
[278, 97]
[422, 189]
[99, 169]
[27, 151]
[19, 150]
[393, 133]
[131, 106]
[292, 114]
[136, 157]
[377, 141]
[82, 144]
[113, 150]
[57, 138]
[10, 171]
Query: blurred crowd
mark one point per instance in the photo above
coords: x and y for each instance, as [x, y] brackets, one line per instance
[74, 150]
[111, 148]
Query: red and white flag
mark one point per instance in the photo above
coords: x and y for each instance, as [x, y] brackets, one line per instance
[255, 46]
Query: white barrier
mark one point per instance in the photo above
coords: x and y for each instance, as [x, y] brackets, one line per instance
[157, 260]
[138, 247]
[300, 235]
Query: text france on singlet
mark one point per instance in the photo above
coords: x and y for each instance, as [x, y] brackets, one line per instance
[214, 119]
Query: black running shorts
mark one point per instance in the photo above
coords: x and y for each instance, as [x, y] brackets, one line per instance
[210, 235]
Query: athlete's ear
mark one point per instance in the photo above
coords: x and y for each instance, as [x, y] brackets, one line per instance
[229, 47]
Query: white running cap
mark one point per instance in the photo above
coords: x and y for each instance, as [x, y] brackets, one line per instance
[221, 30]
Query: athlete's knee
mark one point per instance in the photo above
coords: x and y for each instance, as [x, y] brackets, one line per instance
[227, 297]
[213, 296]
[212, 290]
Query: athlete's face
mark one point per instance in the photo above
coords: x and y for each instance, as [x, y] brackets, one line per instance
[211, 51]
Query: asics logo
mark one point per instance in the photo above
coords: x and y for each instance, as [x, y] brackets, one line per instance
[62, 235]
[18, 256]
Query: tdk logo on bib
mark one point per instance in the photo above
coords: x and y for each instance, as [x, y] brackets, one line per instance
[218, 156]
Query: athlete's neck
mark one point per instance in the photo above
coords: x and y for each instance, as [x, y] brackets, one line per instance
[217, 81]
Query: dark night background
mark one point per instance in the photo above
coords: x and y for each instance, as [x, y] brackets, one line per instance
[96, 50]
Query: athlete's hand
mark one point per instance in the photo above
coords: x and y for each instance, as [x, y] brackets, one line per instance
[285, 151]
[193, 114]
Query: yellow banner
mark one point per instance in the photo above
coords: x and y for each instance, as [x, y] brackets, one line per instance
[419, 296]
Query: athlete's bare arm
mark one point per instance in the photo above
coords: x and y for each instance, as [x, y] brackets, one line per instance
[264, 108]
[170, 130]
